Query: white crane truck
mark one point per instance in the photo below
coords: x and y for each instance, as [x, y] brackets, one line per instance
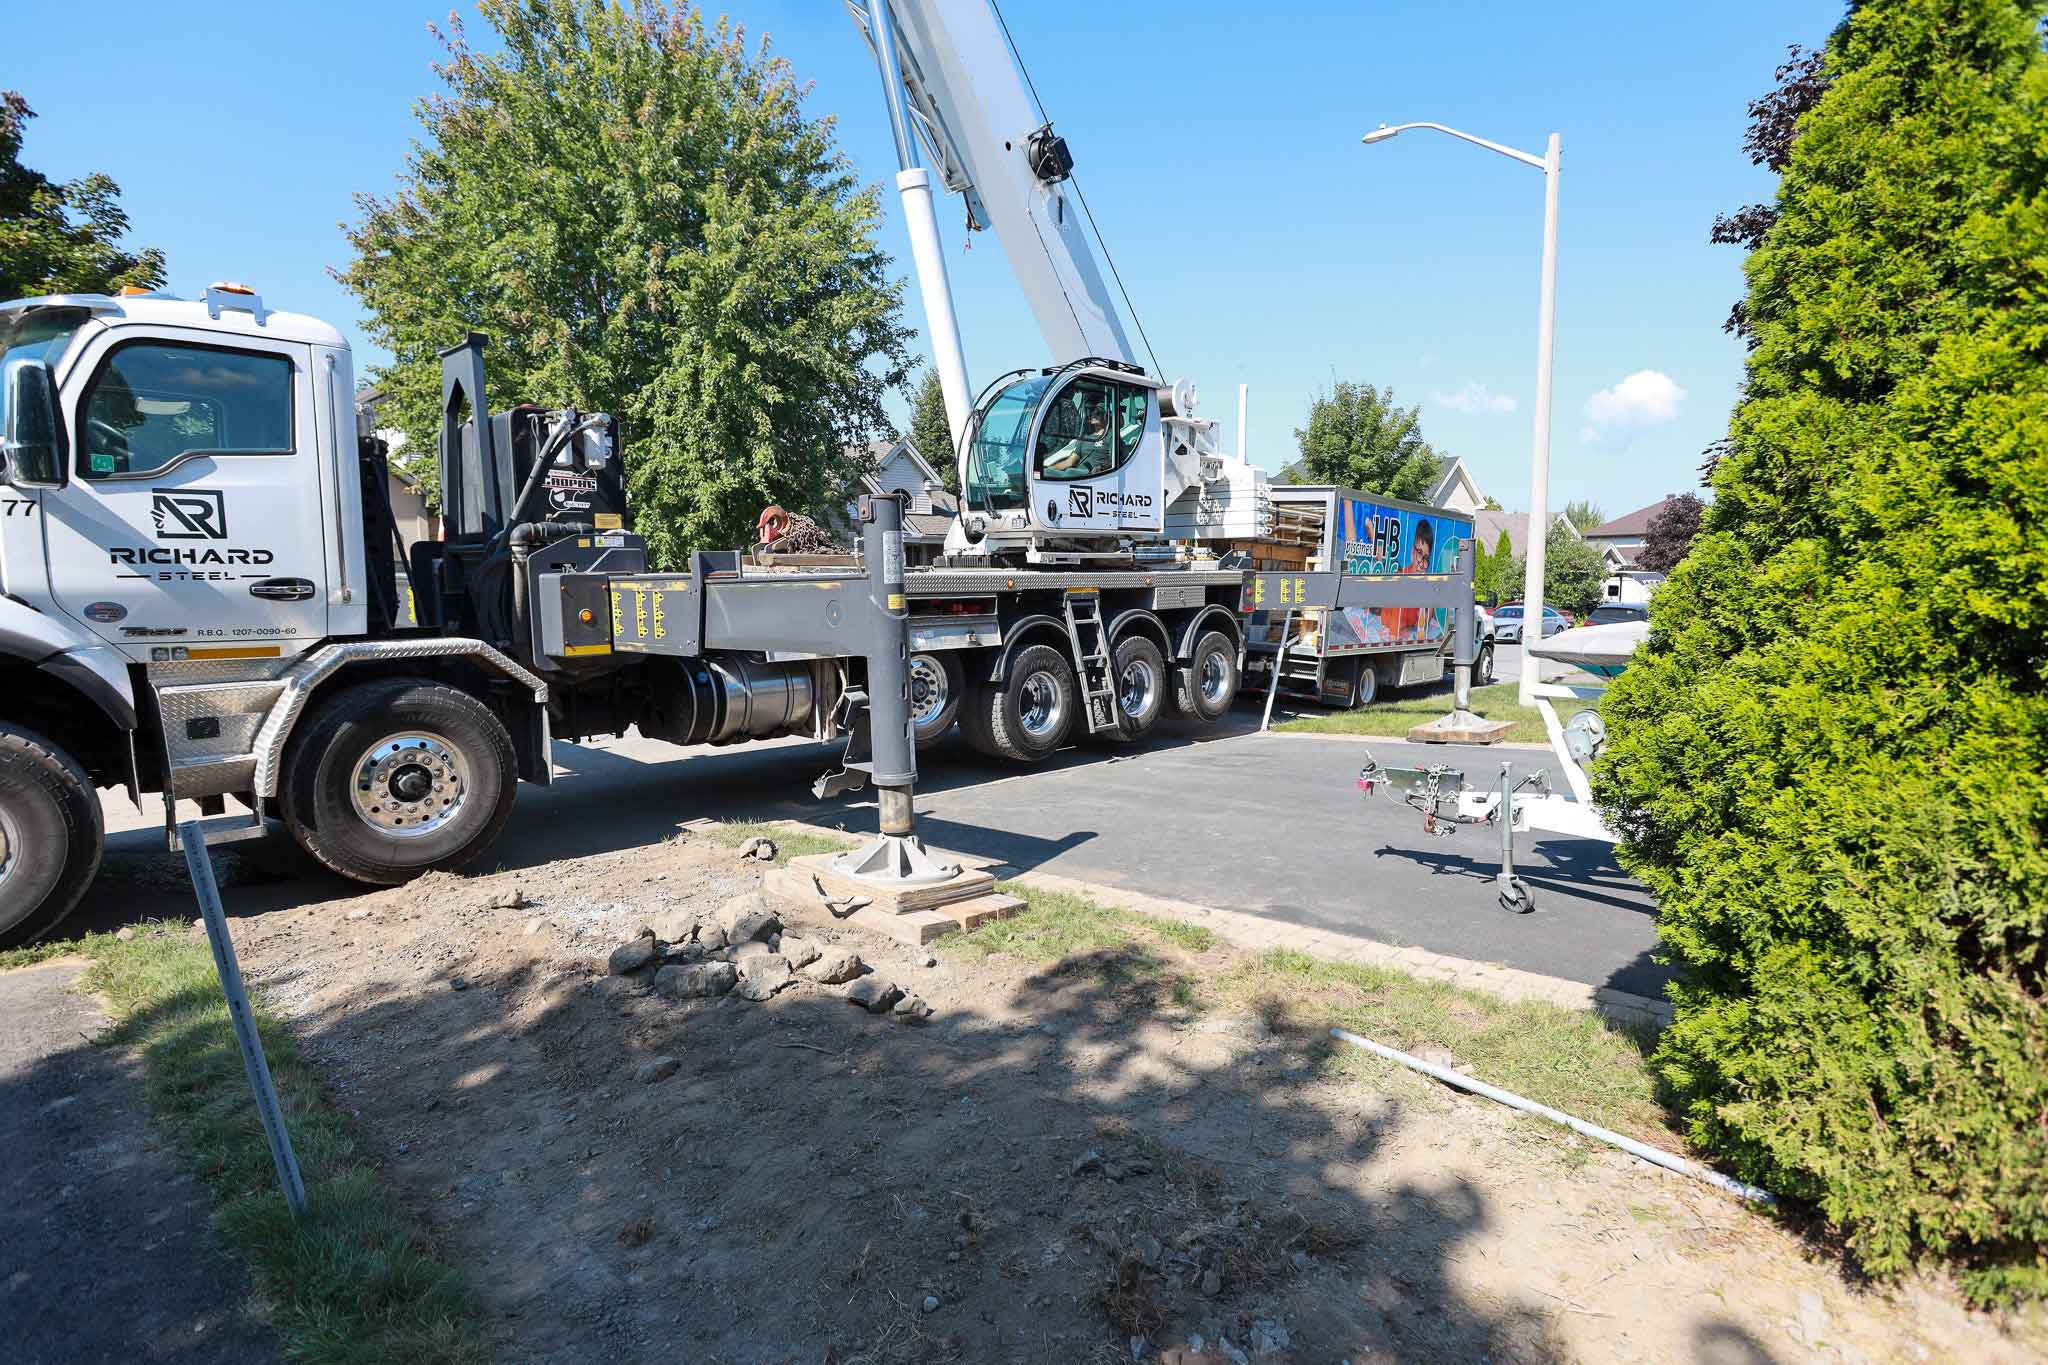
[202, 593]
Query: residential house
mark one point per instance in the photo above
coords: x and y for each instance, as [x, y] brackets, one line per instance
[898, 468]
[1487, 524]
[1620, 542]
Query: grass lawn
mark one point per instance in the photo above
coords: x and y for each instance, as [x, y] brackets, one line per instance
[356, 1280]
[1573, 1060]
[1395, 714]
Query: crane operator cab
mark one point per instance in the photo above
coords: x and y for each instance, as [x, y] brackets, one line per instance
[1067, 463]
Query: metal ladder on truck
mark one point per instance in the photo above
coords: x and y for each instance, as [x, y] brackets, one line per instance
[1089, 638]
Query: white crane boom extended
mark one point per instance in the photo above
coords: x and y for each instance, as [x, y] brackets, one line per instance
[952, 83]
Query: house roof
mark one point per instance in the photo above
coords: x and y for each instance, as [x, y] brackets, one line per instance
[1634, 523]
[1487, 526]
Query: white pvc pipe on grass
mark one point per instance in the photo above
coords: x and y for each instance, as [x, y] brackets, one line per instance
[1592, 1130]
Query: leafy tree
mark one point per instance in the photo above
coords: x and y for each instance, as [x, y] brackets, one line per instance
[61, 239]
[1572, 573]
[932, 433]
[1356, 437]
[1827, 761]
[1584, 514]
[1492, 504]
[638, 212]
[1493, 571]
[1670, 533]
[1773, 128]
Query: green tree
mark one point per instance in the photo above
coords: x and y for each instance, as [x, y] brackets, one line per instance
[61, 239]
[1827, 762]
[1572, 573]
[931, 433]
[638, 212]
[1493, 572]
[1356, 437]
[1584, 514]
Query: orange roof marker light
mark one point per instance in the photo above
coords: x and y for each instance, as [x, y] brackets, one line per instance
[130, 291]
[232, 287]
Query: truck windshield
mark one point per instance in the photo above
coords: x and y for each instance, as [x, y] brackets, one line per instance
[996, 457]
[35, 334]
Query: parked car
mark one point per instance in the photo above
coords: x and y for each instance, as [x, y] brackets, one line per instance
[1613, 612]
[1507, 622]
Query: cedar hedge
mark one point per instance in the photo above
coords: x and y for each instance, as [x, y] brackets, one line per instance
[1831, 762]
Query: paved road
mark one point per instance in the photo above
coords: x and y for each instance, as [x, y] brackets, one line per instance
[1224, 817]
[105, 1249]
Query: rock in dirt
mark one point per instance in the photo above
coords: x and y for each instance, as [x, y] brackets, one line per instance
[758, 848]
[660, 1069]
[835, 966]
[677, 926]
[620, 987]
[1212, 1283]
[931, 1303]
[515, 899]
[358, 914]
[873, 994]
[748, 917]
[684, 952]
[1088, 1161]
[801, 952]
[125, 935]
[696, 982]
[762, 974]
[631, 957]
[753, 947]
[1269, 1338]
[533, 926]
[710, 937]
[913, 1008]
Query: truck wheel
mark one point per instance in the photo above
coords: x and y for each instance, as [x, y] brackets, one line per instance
[395, 778]
[936, 686]
[1482, 668]
[1139, 678]
[1366, 690]
[1029, 713]
[51, 831]
[1205, 686]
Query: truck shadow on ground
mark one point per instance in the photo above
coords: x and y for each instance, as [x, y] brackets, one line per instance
[1055, 1168]
[1583, 869]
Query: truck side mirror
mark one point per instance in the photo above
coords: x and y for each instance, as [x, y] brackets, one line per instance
[33, 452]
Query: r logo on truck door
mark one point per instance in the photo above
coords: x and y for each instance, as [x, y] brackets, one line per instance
[1079, 502]
[189, 513]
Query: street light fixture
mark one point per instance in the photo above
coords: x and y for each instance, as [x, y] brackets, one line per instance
[1539, 479]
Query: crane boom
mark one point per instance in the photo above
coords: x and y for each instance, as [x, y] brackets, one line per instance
[1085, 459]
[971, 108]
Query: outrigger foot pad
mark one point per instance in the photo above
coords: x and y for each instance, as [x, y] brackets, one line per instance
[1459, 727]
[898, 858]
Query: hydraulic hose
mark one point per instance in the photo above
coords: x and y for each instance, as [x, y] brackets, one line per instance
[523, 540]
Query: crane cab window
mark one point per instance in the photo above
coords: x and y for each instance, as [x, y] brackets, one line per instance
[152, 404]
[1093, 427]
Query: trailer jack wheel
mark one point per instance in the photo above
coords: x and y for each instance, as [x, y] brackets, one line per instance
[1514, 896]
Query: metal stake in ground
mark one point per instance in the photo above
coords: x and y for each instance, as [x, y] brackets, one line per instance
[897, 855]
[200, 865]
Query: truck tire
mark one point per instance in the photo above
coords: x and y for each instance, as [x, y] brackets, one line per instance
[1029, 714]
[1482, 667]
[1366, 690]
[1206, 685]
[936, 687]
[1139, 677]
[51, 832]
[394, 778]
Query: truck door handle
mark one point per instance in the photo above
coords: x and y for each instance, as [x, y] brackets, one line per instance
[282, 589]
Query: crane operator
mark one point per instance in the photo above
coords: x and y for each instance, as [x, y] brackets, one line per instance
[1087, 453]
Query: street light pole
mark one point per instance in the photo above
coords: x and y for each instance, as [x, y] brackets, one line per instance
[1546, 326]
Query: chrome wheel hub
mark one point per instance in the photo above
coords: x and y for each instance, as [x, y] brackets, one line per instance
[1041, 705]
[1137, 688]
[1215, 677]
[10, 840]
[410, 784]
[928, 690]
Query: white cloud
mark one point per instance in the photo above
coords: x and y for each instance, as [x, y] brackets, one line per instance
[1473, 396]
[1647, 398]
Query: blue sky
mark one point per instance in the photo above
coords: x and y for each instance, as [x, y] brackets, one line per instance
[1261, 243]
